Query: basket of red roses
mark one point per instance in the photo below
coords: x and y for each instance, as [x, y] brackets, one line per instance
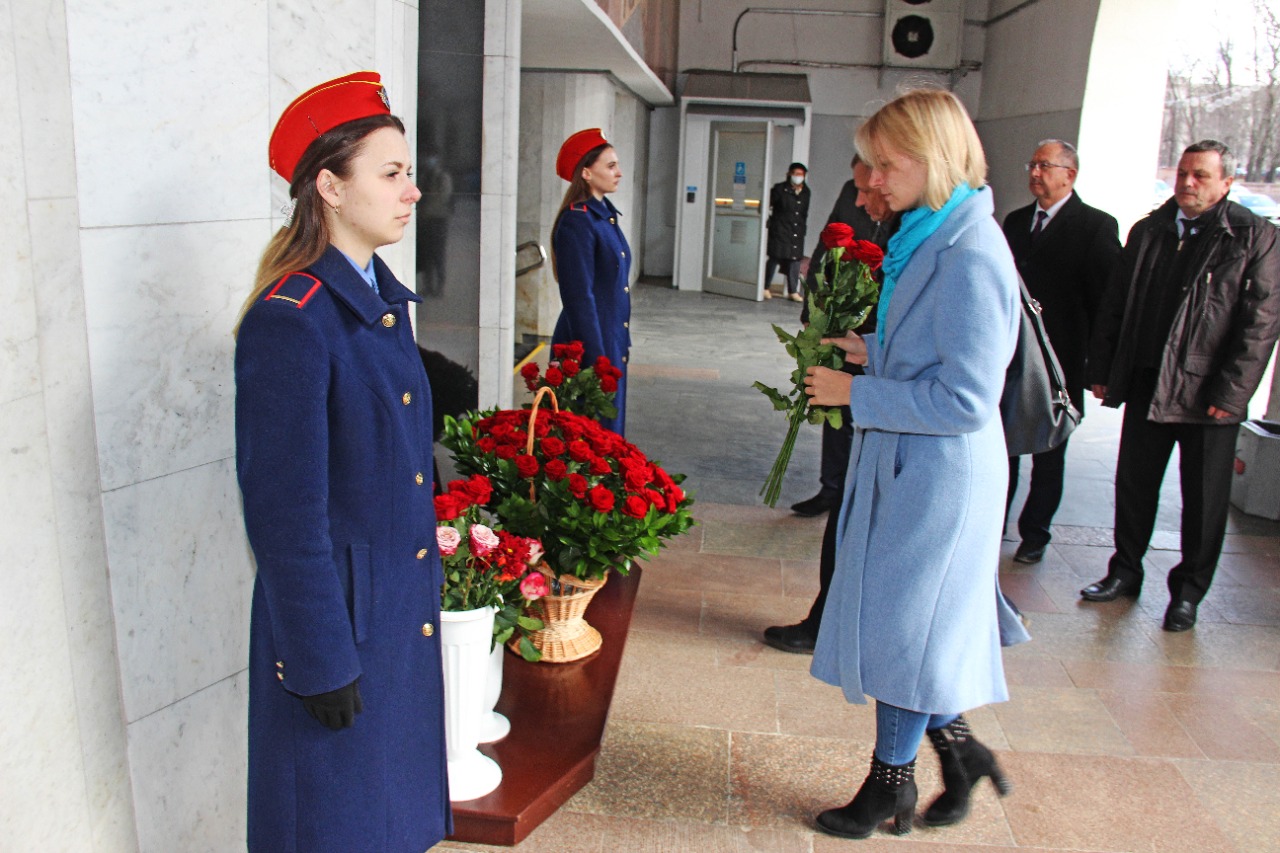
[592, 498]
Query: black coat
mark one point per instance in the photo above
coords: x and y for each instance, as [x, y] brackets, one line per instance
[1067, 271]
[1226, 322]
[846, 210]
[788, 215]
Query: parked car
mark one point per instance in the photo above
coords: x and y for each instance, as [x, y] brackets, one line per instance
[1262, 205]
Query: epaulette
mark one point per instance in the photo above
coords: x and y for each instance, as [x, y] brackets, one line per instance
[581, 208]
[295, 287]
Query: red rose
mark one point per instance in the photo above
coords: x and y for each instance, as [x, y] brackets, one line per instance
[608, 384]
[541, 427]
[559, 350]
[868, 253]
[554, 377]
[603, 366]
[570, 367]
[579, 451]
[635, 506]
[552, 446]
[637, 478]
[837, 235]
[505, 451]
[447, 508]
[480, 488]
[656, 498]
[600, 498]
[486, 444]
[599, 466]
[526, 465]
[556, 470]
[577, 485]
[675, 494]
[501, 430]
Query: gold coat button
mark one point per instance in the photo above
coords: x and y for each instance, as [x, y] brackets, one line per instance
[428, 629]
[407, 398]
[626, 290]
[626, 325]
[422, 553]
[279, 664]
[280, 676]
[624, 254]
[418, 478]
[388, 319]
[612, 221]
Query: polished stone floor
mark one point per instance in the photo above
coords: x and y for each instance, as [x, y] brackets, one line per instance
[1118, 736]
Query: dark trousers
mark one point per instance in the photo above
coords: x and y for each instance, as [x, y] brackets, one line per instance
[1043, 495]
[836, 445]
[790, 268]
[1206, 453]
[826, 569]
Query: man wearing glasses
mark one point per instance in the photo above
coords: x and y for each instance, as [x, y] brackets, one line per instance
[1182, 339]
[1065, 251]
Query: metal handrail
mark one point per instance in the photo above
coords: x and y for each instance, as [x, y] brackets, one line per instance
[542, 256]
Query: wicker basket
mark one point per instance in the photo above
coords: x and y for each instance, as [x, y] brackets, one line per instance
[567, 636]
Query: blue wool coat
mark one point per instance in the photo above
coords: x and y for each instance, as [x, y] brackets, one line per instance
[333, 453]
[593, 265]
[913, 617]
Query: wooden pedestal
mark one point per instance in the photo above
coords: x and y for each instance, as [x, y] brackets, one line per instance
[558, 714]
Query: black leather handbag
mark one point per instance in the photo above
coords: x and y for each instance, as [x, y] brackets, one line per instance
[1035, 408]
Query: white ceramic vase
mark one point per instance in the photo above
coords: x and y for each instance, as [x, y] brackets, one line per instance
[494, 726]
[465, 637]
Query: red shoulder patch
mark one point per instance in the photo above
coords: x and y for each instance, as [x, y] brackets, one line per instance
[295, 287]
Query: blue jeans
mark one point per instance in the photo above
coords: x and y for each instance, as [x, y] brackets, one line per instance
[898, 731]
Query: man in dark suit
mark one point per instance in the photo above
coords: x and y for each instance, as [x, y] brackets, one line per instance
[869, 217]
[1066, 252]
[878, 225]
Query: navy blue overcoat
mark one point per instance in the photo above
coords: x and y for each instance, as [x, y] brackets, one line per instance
[333, 454]
[593, 265]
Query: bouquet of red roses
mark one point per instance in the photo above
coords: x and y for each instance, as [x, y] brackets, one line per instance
[844, 292]
[589, 391]
[592, 498]
[486, 566]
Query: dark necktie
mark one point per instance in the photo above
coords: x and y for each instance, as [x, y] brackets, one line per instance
[1041, 216]
[1189, 227]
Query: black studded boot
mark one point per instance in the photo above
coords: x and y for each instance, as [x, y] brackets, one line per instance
[965, 761]
[888, 792]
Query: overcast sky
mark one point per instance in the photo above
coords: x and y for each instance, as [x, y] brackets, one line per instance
[1203, 25]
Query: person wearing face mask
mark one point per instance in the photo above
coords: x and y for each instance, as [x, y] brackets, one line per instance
[592, 261]
[788, 217]
[333, 456]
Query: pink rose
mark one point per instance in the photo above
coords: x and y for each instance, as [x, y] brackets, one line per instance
[483, 540]
[534, 586]
[535, 552]
[448, 539]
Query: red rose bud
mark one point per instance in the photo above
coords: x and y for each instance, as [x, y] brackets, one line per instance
[635, 506]
[868, 253]
[574, 350]
[526, 465]
[480, 488]
[600, 498]
[637, 478]
[578, 485]
[570, 367]
[554, 377]
[486, 444]
[579, 451]
[552, 446]
[505, 451]
[608, 384]
[837, 235]
[556, 470]
[529, 371]
[599, 466]
[559, 350]
[446, 508]
[603, 365]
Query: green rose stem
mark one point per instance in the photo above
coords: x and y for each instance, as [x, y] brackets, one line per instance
[773, 485]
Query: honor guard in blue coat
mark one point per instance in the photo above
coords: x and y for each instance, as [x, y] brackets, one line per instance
[333, 454]
[592, 260]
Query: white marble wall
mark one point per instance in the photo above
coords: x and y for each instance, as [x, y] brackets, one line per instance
[498, 173]
[143, 200]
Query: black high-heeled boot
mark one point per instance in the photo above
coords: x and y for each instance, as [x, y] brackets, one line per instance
[888, 792]
[965, 761]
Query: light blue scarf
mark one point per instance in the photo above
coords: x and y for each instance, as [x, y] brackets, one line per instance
[917, 226]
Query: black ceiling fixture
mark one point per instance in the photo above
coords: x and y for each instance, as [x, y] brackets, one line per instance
[912, 36]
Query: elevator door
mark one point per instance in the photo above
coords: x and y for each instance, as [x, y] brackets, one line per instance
[739, 151]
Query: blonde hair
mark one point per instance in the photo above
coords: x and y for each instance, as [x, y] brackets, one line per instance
[931, 127]
[301, 243]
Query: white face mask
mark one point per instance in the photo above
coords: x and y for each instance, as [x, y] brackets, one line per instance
[797, 179]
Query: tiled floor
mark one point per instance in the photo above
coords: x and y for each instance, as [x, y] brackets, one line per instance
[1118, 736]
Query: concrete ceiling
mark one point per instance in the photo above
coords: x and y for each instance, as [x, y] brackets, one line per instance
[576, 35]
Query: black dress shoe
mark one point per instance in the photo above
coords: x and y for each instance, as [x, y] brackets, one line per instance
[1181, 616]
[1110, 588]
[1029, 553]
[816, 505]
[797, 639]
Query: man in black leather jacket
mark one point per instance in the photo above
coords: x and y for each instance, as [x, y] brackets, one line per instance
[1184, 335]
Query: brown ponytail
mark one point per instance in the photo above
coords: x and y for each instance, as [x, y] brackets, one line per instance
[578, 192]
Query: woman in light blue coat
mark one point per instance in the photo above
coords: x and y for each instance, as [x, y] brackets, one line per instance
[916, 619]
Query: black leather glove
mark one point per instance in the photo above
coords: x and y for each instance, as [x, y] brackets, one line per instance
[336, 709]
